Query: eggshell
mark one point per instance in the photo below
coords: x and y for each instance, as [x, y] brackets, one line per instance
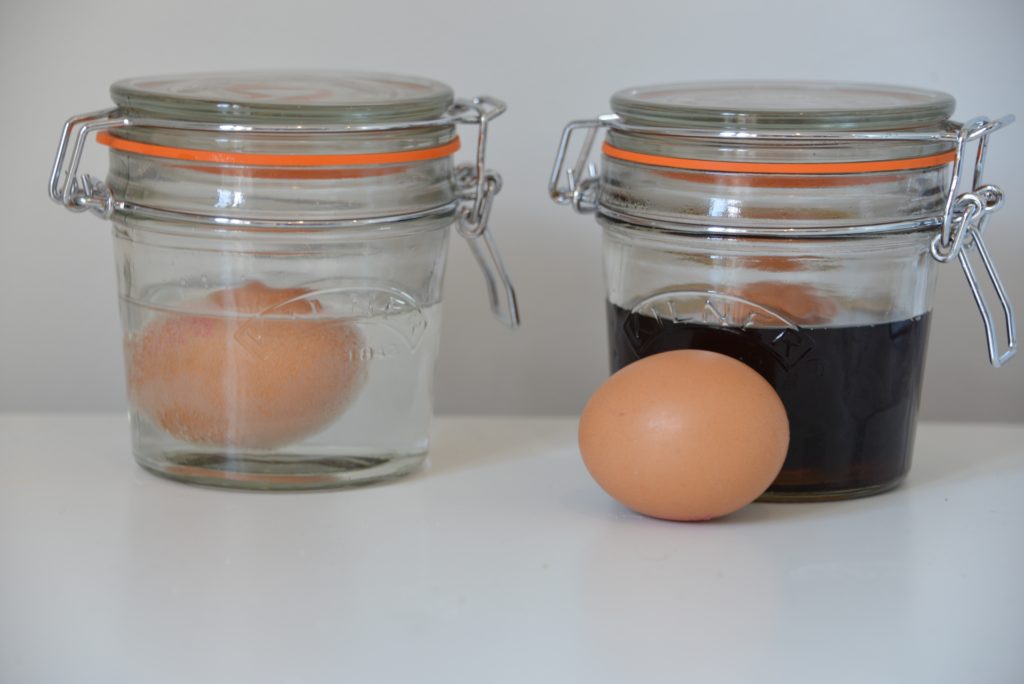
[797, 302]
[684, 435]
[248, 381]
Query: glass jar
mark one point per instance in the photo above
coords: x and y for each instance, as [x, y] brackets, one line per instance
[796, 227]
[280, 241]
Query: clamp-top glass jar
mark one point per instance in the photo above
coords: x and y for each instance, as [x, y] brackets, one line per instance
[795, 226]
[281, 241]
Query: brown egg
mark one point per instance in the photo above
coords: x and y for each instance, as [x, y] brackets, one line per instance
[245, 381]
[798, 303]
[684, 435]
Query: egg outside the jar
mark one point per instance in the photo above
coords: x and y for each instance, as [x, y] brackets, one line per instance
[684, 435]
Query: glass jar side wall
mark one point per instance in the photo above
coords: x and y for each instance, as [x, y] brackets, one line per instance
[807, 282]
[273, 194]
[280, 359]
[762, 200]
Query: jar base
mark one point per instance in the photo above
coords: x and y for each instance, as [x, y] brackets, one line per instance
[260, 471]
[796, 496]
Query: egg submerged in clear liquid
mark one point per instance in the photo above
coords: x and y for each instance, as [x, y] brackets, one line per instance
[248, 367]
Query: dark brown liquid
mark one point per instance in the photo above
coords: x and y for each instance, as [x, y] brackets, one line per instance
[851, 393]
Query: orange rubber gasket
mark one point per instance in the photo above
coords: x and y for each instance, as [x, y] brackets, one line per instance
[293, 160]
[804, 168]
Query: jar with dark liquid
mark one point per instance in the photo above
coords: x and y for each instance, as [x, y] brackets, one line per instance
[796, 227]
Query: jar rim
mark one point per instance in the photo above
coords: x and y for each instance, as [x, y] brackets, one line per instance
[783, 105]
[702, 227]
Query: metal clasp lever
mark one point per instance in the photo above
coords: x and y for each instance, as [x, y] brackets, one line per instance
[963, 226]
[477, 187]
[582, 182]
[66, 187]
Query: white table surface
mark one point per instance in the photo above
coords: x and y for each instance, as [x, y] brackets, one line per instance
[501, 562]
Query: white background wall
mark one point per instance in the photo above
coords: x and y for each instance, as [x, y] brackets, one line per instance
[553, 61]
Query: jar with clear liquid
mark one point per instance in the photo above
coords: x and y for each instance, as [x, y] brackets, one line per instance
[281, 241]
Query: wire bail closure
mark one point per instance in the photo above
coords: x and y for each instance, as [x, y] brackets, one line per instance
[475, 185]
[82, 193]
[963, 227]
[963, 222]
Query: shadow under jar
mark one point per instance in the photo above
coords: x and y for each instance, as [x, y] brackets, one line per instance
[281, 241]
[796, 227]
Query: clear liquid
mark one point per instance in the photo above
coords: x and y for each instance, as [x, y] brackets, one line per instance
[376, 431]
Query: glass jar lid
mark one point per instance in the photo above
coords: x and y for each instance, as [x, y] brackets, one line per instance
[783, 105]
[284, 97]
